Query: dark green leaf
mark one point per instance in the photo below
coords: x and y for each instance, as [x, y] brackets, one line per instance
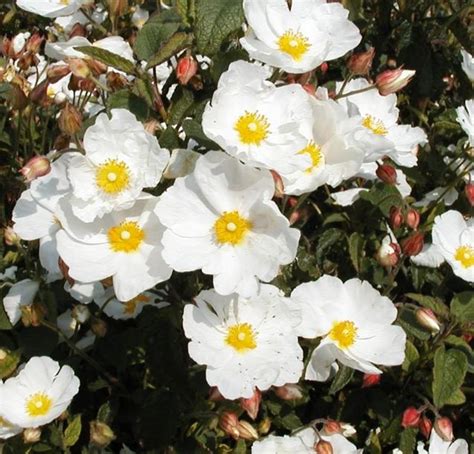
[462, 306]
[108, 58]
[175, 44]
[343, 377]
[408, 440]
[382, 196]
[181, 103]
[436, 305]
[356, 249]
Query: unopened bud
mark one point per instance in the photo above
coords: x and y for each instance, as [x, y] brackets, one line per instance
[411, 417]
[391, 81]
[370, 380]
[32, 435]
[387, 174]
[39, 94]
[215, 395]
[79, 67]
[265, 426]
[17, 97]
[252, 404]
[229, 423]
[324, 68]
[34, 43]
[413, 245]
[469, 191]
[331, 427]
[116, 81]
[81, 313]
[101, 435]
[7, 48]
[359, 64]
[37, 166]
[117, 8]
[289, 392]
[279, 187]
[247, 431]
[77, 30]
[388, 254]
[186, 69]
[57, 72]
[98, 327]
[412, 218]
[97, 68]
[444, 428]
[396, 217]
[33, 315]
[425, 425]
[427, 319]
[61, 142]
[70, 120]
[10, 237]
[323, 447]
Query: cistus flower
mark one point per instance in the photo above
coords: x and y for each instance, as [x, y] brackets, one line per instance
[299, 39]
[427, 319]
[38, 166]
[468, 64]
[437, 445]
[19, 295]
[39, 393]
[246, 343]
[355, 323]
[50, 8]
[360, 63]
[186, 69]
[411, 417]
[393, 80]
[465, 118]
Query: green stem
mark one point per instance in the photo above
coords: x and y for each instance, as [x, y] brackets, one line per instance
[356, 92]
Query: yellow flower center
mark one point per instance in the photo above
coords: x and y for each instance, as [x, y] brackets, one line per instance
[252, 128]
[38, 404]
[126, 237]
[64, 2]
[344, 333]
[113, 176]
[241, 337]
[376, 126]
[465, 255]
[231, 228]
[314, 152]
[295, 44]
[131, 305]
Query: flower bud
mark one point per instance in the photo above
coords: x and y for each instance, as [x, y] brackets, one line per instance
[370, 380]
[215, 395]
[79, 67]
[98, 327]
[425, 425]
[265, 426]
[247, 431]
[388, 254]
[61, 142]
[413, 245]
[57, 72]
[117, 8]
[77, 30]
[17, 97]
[252, 404]
[229, 423]
[7, 47]
[444, 428]
[97, 68]
[186, 69]
[81, 313]
[469, 191]
[323, 447]
[70, 120]
[324, 68]
[37, 166]
[101, 435]
[10, 237]
[412, 218]
[427, 319]
[39, 94]
[279, 187]
[411, 417]
[34, 43]
[310, 89]
[139, 17]
[331, 427]
[32, 435]
[396, 217]
[359, 64]
[387, 174]
[116, 81]
[391, 81]
[33, 315]
[288, 392]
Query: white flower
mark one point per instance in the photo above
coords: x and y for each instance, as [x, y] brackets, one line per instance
[468, 64]
[181, 163]
[454, 239]
[245, 343]
[139, 17]
[355, 323]
[19, 41]
[84, 292]
[300, 39]
[121, 159]
[40, 392]
[34, 213]
[466, 119]
[381, 134]
[439, 446]
[20, 294]
[429, 256]
[69, 326]
[7, 429]
[124, 245]
[347, 197]
[445, 194]
[221, 219]
[9, 273]
[50, 8]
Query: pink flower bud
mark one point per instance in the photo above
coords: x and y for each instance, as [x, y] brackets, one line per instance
[469, 191]
[391, 81]
[229, 423]
[370, 380]
[412, 218]
[324, 67]
[396, 217]
[57, 72]
[34, 43]
[388, 254]
[411, 417]
[332, 427]
[444, 428]
[10, 237]
[427, 319]
[425, 425]
[413, 245]
[289, 392]
[279, 188]
[37, 166]
[247, 431]
[252, 404]
[186, 69]
[79, 67]
[215, 395]
[387, 174]
[323, 447]
[360, 63]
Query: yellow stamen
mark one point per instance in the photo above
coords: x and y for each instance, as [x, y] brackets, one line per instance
[231, 228]
[126, 237]
[38, 404]
[314, 152]
[252, 128]
[465, 255]
[113, 176]
[241, 337]
[344, 333]
[295, 44]
[376, 126]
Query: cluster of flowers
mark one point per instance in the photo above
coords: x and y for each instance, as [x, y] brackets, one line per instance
[113, 242]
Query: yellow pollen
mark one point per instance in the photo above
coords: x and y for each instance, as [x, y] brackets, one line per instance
[113, 176]
[231, 228]
[131, 305]
[376, 126]
[314, 152]
[38, 404]
[50, 92]
[252, 128]
[126, 237]
[344, 333]
[241, 337]
[465, 255]
[64, 2]
[293, 44]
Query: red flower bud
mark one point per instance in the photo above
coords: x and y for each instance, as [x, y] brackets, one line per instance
[391, 81]
[360, 63]
[425, 425]
[411, 417]
[252, 404]
[77, 30]
[427, 319]
[288, 392]
[412, 218]
[396, 217]
[332, 427]
[469, 191]
[370, 380]
[186, 69]
[324, 68]
[229, 423]
[37, 166]
[387, 173]
[444, 428]
[323, 447]
[413, 245]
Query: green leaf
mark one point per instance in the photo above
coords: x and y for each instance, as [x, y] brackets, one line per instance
[182, 102]
[124, 99]
[382, 196]
[343, 377]
[73, 431]
[409, 323]
[462, 306]
[408, 440]
[448, 374]
[9, 364]
[411, 357]
[327, 239]
[435, 304]
[169, 138]
[108, 58]
[356, 249]
[144, 90]
[215, 21]
[457, 398]
[193, 130]
[290, 421]
[175, 44]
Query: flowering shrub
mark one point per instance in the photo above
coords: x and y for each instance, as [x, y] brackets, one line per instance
[236, 226]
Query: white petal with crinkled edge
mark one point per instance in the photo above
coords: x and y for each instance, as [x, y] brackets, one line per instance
[20, 294]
